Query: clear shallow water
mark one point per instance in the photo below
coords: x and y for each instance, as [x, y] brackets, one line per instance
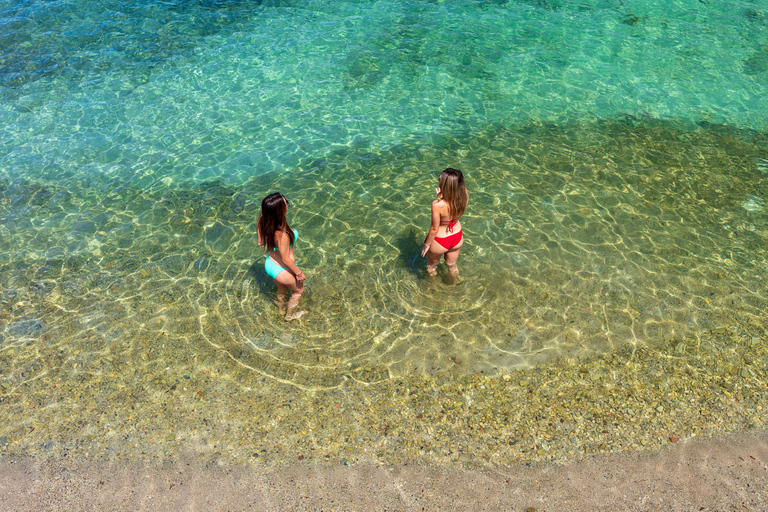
[617, 161]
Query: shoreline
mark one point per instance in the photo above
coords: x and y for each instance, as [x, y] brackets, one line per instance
[729, 472]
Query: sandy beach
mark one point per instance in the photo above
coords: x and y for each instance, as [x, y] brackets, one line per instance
[727, 473]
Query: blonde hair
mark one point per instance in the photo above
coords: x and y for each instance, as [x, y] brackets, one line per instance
[454, 191]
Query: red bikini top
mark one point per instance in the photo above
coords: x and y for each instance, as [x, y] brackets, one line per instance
[450, 225]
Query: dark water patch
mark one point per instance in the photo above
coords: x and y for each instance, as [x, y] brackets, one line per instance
[412, 42]
[406, 46]
[365, 69]
[49, 269]
[94, 38]
[631, 19]
[755, 15]
[757, 63]
[33, 194]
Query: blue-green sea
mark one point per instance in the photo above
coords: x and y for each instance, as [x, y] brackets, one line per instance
[616, 156]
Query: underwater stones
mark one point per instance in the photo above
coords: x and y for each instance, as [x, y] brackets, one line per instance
[753, 203]
[26, 328]
[218, 237]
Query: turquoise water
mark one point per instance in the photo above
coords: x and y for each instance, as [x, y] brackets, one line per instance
[132, 94]
[617, 159]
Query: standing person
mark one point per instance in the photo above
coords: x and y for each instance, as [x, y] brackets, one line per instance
[445, 237]
[276, 235]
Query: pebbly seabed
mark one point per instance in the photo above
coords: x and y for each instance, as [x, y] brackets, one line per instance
[635, 399]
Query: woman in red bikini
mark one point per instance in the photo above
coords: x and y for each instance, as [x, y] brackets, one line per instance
[444, 237]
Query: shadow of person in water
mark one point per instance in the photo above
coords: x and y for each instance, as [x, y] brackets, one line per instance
[263, 281]
[409, 246]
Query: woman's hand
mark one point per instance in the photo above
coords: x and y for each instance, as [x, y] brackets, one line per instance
[425, 250]
[300, 276]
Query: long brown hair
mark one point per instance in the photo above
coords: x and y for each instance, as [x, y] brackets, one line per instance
[454, 191]
[274, 218]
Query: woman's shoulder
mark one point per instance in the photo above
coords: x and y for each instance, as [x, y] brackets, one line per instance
[439, 203]
[280, 232]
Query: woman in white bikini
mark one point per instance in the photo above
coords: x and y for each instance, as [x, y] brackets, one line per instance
[445, 237]
[276, 235]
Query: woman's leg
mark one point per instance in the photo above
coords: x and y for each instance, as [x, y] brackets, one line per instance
[288, 280]
[433, 257]
[280, 302]
[432, 260]
[451, 259]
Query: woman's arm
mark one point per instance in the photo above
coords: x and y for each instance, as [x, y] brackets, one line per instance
[284, 248]
[432, 229]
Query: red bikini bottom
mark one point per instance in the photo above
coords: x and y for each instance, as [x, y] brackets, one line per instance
[450, 241]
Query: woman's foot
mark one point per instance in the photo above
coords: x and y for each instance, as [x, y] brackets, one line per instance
[293, 303]
[294, 316]
[432, 270]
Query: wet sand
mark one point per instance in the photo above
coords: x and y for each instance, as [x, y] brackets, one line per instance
[726, 473]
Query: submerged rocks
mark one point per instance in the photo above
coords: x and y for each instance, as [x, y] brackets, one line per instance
[26, 328]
